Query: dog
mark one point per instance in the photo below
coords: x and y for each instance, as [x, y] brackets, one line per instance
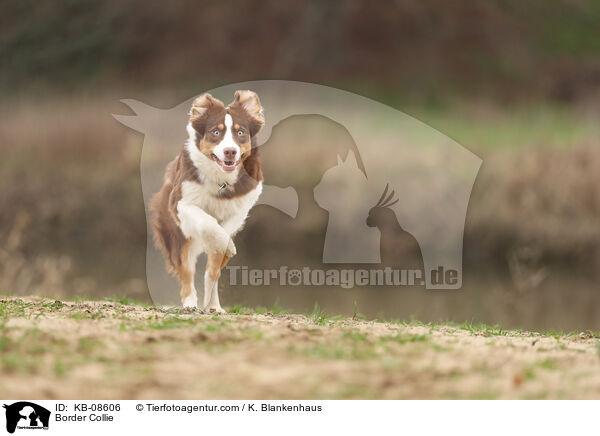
[208, 191]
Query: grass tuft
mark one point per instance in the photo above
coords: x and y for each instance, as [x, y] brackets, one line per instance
[317, 316]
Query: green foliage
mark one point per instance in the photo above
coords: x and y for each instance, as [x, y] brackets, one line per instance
[317, 316]
[356, 314]
[126, 301]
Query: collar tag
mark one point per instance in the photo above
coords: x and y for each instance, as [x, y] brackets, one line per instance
[223, 186]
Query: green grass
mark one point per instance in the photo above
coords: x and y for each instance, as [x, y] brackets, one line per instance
[89, 344]
[401, 353]
[317, 316]
[331, 351]
[126, 301]
[354, 335]
[356, 315]
[400, 338]
[483, 329]
[549, 364]
[530, 372]
[20, 308]
[275, 309]
[169, 323]
[59, 368]
[13, 308]
[240, 310]
[21, 350]
[354, 345]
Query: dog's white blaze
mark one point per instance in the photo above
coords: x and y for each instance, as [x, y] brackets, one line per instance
[227, 141]
[208, 170]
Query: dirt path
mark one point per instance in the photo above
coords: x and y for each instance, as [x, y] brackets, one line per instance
[105, 350]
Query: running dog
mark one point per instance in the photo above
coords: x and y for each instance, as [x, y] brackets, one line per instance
[208, 190]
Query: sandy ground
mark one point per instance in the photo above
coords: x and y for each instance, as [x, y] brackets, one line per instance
[108, 350]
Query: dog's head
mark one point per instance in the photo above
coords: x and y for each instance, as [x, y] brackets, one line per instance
[225, 134]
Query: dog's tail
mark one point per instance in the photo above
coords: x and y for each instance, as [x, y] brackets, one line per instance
[167, 235]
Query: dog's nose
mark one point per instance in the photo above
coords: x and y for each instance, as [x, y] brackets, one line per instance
[230, 153]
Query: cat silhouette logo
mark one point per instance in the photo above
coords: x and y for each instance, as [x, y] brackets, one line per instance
[26, 415]
[421, 177]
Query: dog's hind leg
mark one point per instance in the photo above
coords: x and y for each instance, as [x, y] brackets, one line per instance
[186, 274]
[214, 264]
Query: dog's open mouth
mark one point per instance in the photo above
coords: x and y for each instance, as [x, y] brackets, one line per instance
[227, 165]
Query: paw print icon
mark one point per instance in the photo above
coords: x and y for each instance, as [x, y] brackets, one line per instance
[294, 277]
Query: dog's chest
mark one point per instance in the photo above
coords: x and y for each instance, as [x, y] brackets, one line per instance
[222, 209]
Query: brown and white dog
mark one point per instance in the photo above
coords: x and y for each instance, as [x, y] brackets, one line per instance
[208, 191]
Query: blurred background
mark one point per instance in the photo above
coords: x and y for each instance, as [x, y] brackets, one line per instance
[517, 83]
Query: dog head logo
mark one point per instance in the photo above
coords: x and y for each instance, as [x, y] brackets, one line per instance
[26, 415]
[429, 174]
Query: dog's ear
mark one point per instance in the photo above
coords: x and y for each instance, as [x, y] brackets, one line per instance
[250, 102]
[202, 109]
[201, 105]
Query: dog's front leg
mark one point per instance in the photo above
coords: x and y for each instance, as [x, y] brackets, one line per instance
[214, 265]
[203, 229]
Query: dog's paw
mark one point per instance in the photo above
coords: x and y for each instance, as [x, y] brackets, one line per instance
[218, 310]
[190, 302]
[222, 244]
[231, 250]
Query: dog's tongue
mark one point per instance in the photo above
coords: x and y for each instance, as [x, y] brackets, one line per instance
[228, 166]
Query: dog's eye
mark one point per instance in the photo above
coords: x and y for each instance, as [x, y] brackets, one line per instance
[216, 132]
[240, 132]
